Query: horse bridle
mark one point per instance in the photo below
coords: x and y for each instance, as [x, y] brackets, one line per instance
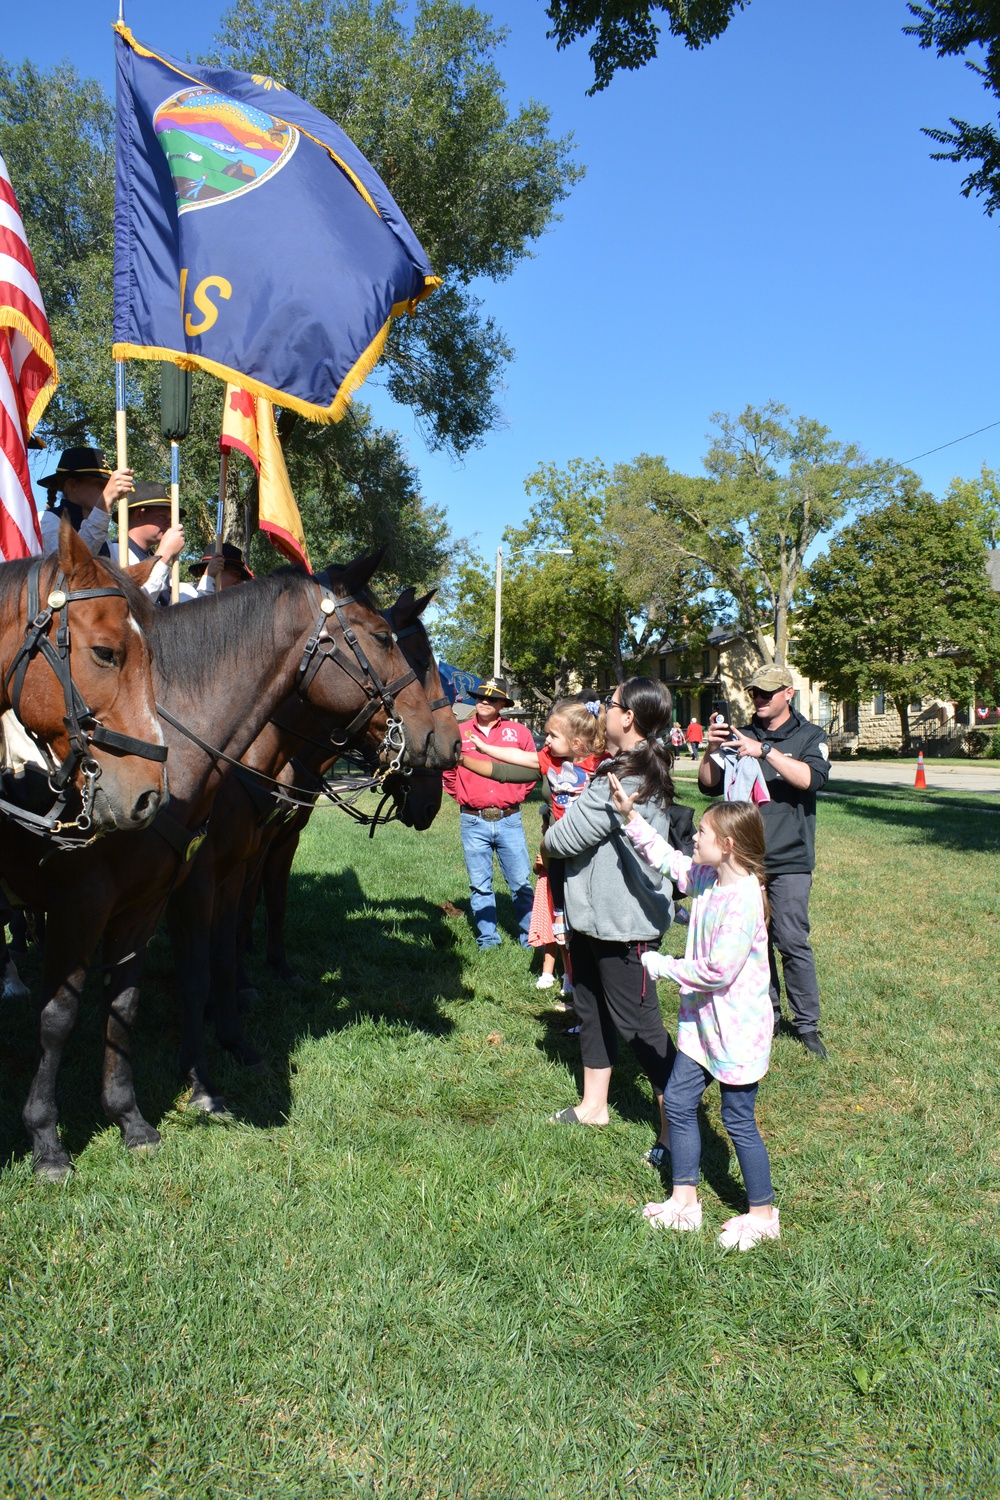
[83, 728]
[321, 647]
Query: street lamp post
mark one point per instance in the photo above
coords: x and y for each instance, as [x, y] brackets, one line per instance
[497, 607]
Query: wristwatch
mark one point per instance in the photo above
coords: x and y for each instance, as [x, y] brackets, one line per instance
[765, 749]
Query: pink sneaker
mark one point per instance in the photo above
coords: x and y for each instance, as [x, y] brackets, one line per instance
[670, 1215]
[747, 1230]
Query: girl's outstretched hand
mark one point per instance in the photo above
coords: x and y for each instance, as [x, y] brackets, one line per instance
[623, 803]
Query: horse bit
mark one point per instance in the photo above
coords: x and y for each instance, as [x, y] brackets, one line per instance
[83, 727]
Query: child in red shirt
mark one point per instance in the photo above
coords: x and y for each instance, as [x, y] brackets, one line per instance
[573, 749]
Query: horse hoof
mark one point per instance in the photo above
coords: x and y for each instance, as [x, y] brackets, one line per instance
[209, 1103]
[143, 1140]
[54, 1170]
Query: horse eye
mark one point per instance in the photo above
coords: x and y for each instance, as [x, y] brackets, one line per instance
[383, 637]
[103, 655]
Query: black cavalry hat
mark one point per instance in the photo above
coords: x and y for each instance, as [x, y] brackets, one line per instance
[233, 556]
[150, 493]
[82, 463]
[493, 690]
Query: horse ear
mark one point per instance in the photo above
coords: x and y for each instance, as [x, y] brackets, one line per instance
[139, 572]
[421, 604]
[357, 573]
[73, 553]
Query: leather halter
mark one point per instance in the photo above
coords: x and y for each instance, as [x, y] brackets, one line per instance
[84, 729]
[321, 647]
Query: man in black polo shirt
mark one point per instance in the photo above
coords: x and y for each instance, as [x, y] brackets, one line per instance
[794, 758]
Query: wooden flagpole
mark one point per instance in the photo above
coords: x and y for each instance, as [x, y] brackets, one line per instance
[121, 460]
[175, 516]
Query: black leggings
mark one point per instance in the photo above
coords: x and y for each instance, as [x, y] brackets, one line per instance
[614, 996]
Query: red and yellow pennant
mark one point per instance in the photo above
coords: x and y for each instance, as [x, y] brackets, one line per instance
[248, 424]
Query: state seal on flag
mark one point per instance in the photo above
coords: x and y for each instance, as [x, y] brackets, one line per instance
[219, 147]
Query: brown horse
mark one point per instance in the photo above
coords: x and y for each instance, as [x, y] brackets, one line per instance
[222, 665]
[418, 795]
[75, 666]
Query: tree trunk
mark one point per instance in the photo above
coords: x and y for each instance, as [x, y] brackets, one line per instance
[233, 510]
[903, 709]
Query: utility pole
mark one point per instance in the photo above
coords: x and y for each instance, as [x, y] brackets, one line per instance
[496, 614]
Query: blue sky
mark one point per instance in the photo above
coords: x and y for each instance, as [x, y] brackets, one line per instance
[759, 220]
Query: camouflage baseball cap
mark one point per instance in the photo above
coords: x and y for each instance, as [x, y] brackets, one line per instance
[769, 679]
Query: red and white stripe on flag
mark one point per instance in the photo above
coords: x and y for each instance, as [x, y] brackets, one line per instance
[28, 377]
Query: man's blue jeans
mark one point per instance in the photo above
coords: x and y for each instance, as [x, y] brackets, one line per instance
[505, 838]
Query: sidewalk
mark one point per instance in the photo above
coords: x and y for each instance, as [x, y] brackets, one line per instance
[977, 776]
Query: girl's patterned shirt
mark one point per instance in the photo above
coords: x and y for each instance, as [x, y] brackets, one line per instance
[726, 1018]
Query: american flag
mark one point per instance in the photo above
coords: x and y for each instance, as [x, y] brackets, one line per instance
[28, 377]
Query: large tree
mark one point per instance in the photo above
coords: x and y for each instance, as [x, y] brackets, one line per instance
[771, 487]
[424, 100]
[900, 603]
[569, 612]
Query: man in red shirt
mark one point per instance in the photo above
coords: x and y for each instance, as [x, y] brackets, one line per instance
[491, 818]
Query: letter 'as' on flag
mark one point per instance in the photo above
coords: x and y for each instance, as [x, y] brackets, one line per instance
[248, 424]
[252, 238]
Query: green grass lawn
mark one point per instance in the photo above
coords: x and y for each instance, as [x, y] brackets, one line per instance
[390, 1277]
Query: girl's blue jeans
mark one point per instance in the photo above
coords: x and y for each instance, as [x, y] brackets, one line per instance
[681, 1097]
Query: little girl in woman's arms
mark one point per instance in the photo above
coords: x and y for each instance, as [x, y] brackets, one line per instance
[726, 1016]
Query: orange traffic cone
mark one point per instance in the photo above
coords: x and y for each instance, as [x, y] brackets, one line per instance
[921, 780]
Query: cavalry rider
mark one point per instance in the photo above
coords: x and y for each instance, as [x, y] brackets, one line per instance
[491, 816]
[150, 534]
[219, 570]
[82, 491]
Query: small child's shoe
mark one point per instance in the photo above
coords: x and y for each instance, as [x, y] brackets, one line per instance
[545, 982]
[747, 1230]
[567, 988]
[670, 1215]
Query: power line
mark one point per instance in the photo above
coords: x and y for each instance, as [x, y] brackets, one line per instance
[952, 443]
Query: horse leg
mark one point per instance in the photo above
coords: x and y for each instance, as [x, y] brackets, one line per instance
[274, 882]
[125, 947]
[67, 953]
[226, 1009]
[246, 990]
[189, 926]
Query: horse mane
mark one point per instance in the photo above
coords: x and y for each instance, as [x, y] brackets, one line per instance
[194, 643]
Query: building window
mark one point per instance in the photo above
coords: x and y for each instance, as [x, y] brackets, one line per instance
[850, 718]
[824, 717]
[796, 697]
[663, 669]
[706, 664]
[880, 703]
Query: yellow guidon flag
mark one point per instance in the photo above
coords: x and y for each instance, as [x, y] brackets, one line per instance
[248, 424]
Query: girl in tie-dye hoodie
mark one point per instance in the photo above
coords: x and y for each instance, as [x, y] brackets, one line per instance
[726, 1016]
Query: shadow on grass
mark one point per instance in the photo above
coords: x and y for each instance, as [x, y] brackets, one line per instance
[952, 825]
[394, 959]
[631, 1098]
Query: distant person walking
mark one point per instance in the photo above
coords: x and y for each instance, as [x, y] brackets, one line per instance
[794, 759]
[693, 735]
[491, 815]
[677, 739]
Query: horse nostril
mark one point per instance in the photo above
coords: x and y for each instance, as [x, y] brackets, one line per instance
[146, 807]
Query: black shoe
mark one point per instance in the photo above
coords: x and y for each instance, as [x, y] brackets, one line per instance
[812, 1043]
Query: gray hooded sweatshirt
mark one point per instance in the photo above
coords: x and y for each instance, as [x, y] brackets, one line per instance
[611, 892]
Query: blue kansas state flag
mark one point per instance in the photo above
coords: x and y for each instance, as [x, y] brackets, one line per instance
[252, 238]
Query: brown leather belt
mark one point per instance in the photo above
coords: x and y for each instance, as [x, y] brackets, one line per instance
[491, 814]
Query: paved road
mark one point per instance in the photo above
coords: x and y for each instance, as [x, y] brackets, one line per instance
[983, 777]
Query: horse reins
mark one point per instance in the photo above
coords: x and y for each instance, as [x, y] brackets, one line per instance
[84, 729]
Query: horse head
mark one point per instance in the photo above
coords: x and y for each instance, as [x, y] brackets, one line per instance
[374, 688]
[78, 675]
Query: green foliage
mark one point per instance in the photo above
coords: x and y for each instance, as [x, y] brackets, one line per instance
[771, 487]
[981, 499]
[564, 617]
[901, 603]
[627, 35]
[953, 28]
[424, 101]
